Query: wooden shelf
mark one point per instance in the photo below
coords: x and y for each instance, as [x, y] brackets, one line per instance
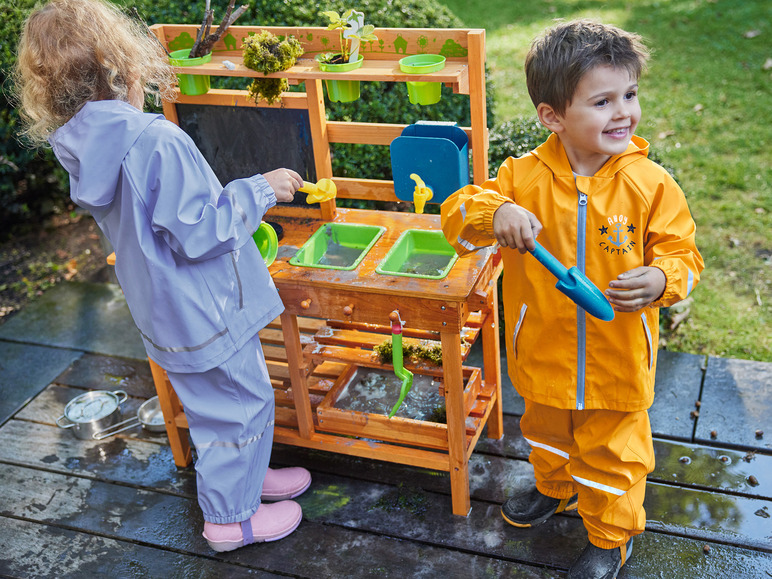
[454, 73]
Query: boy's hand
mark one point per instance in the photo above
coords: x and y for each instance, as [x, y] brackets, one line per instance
[285, 183]
[515, 227]
[635, 289]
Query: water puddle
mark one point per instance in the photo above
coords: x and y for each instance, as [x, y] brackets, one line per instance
[431, 264]
[338, 255]
[376, 392]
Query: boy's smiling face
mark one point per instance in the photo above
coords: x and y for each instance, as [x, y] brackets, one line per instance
[599, 121]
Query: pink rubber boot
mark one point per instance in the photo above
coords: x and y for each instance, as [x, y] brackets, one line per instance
[270, 523]
[285, 483]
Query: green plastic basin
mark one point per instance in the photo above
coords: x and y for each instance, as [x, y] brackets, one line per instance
[337, 246]
[419, 253]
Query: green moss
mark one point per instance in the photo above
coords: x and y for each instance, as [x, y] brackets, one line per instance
[266, 53]
[424, 351]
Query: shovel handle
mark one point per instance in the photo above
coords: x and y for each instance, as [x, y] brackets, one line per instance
[550, 262]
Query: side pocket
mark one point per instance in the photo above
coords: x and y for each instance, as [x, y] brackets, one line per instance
[648, 339]
[519, 324]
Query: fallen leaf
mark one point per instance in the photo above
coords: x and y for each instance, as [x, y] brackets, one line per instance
[698, 108]
[752, 33]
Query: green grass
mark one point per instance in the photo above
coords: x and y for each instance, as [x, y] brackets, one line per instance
[707, 112]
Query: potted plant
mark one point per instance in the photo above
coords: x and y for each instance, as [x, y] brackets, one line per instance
[352, 32]
[201, 52]
[266, 53]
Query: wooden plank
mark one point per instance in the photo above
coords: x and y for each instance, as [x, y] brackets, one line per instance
[46, 551]
[239, 98]
[26, 370]
[96, 372]
[454, 403]
[736, 402]
[397, 42]
[34, 549]
[371, 133]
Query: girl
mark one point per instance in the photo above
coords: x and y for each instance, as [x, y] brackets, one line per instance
[194, 281]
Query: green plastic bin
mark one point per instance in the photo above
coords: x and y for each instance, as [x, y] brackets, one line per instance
[337, 246]
[419, 253]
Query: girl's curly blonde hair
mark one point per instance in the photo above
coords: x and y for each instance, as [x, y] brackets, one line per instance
[75, 51]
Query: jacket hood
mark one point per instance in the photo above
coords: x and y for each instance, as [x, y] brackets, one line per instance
[552, 154]
[92, 145]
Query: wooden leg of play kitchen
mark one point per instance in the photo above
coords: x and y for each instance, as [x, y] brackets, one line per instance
[492, 361]
[298, 374]
[454, 405]
[171, 407]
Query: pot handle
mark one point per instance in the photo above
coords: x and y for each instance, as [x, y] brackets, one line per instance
[60, 425]
[120, 393]
[116, 428]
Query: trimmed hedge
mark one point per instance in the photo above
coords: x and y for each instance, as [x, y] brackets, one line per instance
[33, 185]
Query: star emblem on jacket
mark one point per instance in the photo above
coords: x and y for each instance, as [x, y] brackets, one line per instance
[614, 236]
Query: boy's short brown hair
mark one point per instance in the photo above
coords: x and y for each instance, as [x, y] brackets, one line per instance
[559, 58]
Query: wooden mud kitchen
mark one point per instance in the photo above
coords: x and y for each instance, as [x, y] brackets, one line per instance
[336, 316]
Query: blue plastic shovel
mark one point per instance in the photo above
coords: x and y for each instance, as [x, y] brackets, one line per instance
[576, 285]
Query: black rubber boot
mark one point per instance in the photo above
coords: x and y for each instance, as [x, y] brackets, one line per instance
[533, 508]
[597, 563]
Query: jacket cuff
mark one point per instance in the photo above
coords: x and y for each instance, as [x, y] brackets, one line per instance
[670, 295]
[488, 218]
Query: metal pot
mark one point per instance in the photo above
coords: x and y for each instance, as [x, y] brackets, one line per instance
[149, 416]
[92, 412]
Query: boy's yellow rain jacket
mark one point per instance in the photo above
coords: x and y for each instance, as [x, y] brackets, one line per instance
[630, 213]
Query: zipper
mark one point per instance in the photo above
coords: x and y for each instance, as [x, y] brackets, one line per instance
[581, 335]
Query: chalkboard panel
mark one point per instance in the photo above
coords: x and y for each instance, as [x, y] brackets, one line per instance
[242, 141]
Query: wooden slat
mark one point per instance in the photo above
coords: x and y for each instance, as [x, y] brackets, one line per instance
[396, 42]
[308, 69]
[370, 133]
[238, 98]
[364, 449]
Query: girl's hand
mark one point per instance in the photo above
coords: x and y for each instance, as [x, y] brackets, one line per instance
[285, 183]
[635, 289]
[515, 227]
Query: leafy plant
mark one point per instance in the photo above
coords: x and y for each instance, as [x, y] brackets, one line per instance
[266, 53]
[351, 35]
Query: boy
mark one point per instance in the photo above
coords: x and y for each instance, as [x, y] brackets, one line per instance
[624, 222]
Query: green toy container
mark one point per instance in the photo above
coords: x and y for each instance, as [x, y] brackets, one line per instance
[423, 93]
[267, 242]
[342, 91]
[419, 253]
[191, 84]
[337, 246]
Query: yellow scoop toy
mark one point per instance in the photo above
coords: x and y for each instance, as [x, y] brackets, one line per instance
[324, 190]
[422, 193]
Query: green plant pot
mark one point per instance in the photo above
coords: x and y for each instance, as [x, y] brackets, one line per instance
[191, 84]
[342, 91]
[267, 242]
[423, 93]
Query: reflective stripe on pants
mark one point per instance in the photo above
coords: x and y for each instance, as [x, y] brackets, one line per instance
[230, 412]
[603, 455]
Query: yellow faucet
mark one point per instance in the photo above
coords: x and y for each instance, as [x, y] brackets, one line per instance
[323, 190]
[421, 194]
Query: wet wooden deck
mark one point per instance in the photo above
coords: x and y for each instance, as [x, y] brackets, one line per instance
[120, 508]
